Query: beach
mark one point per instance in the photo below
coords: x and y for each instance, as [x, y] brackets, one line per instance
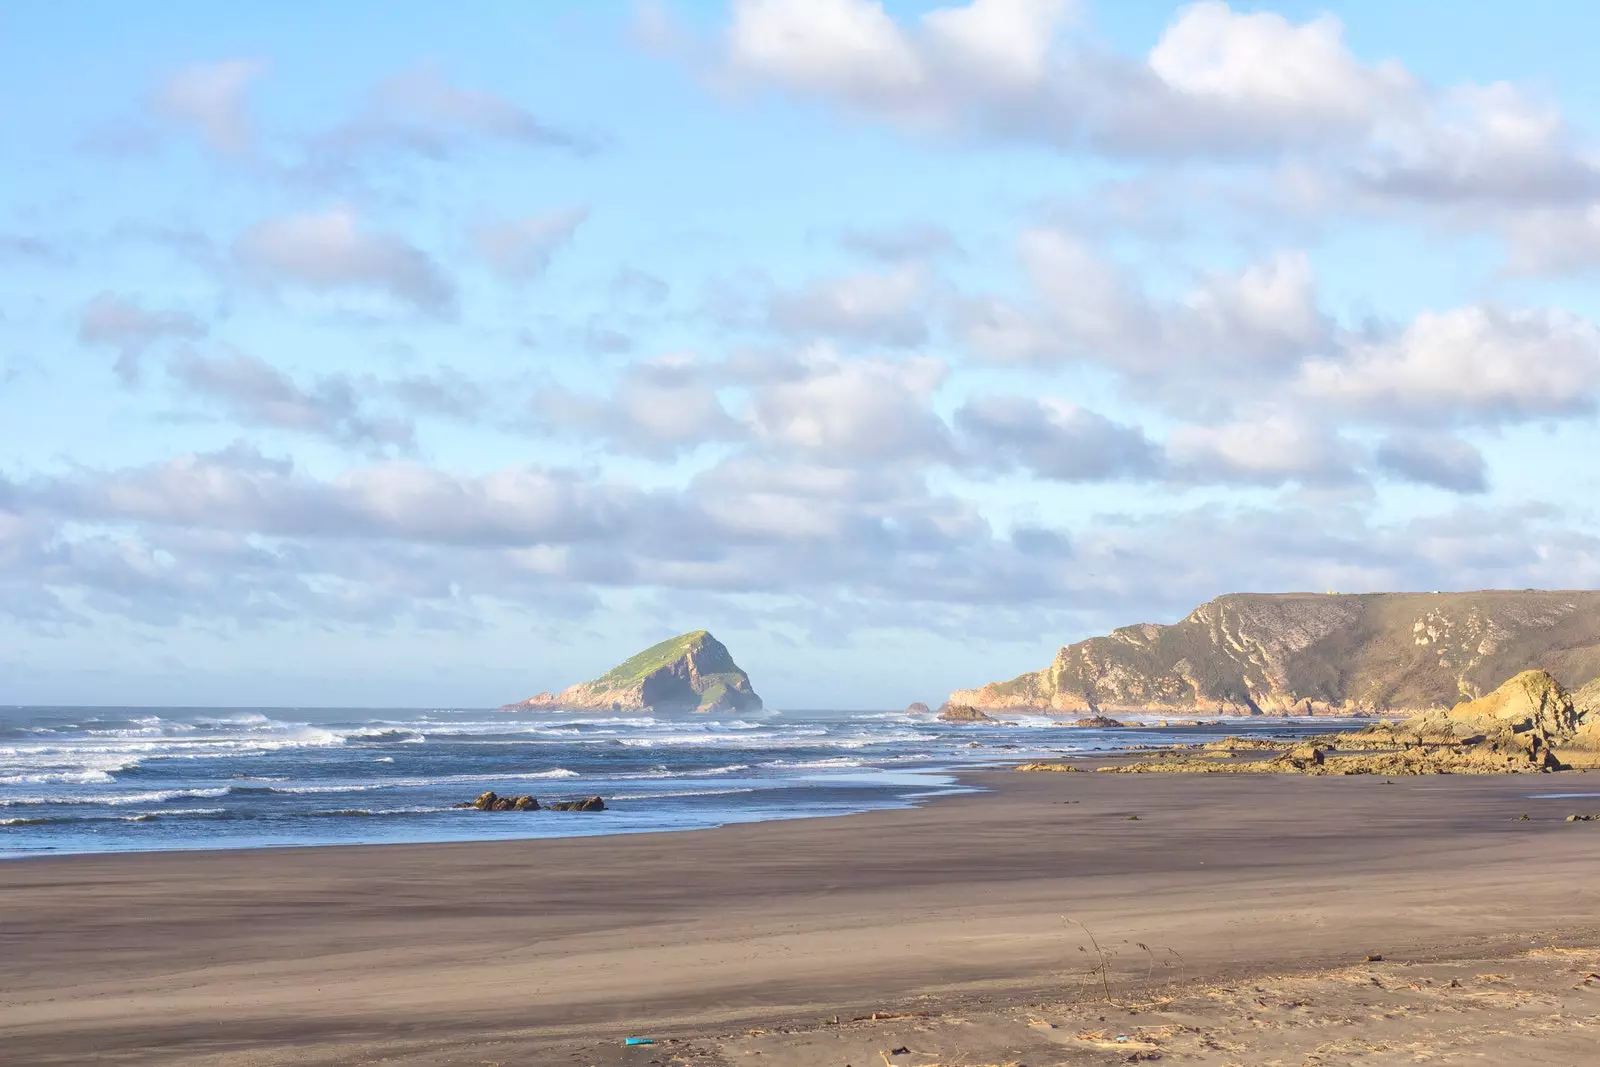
[555, 950]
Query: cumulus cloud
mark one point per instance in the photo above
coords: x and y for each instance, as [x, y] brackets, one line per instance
[854, 411]
[252, 392]
[240, 535]
[1258, 322]
[880, 308]
[1054, 439]
[1442, 461]
[329, 251]
[659, 408]
[1217, 84]
[1217, 81]
[521, 249]
[1269, 449]
[1473, 364]
[213, 98]
[121, 323]
[1554, 242]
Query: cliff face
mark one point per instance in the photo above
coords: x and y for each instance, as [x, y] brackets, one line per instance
[692, 672]
[1307, 653]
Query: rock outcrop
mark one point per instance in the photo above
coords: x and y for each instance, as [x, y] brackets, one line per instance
[587, 804]
[495, 802]
[1528, 725]
[692, 672]
[1316, 654]
[964, 713]
[918, 708]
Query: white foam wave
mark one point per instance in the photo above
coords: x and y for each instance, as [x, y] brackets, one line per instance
[839, 762]
[668, 794]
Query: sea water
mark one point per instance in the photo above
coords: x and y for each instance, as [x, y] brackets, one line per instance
[76, 780]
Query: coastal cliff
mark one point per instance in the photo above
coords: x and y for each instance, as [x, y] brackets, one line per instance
[691, 672]
[1316, 654]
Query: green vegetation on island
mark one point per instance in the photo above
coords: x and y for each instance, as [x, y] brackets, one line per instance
[690, 672]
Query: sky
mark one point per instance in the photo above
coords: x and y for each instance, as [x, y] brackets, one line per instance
[390, 355]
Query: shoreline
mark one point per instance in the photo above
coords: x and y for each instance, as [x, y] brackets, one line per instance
[348, 953]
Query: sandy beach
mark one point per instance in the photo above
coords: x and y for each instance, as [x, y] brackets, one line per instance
[745, 943]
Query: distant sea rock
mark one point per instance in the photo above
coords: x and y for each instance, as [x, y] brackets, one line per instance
[1316, 654]
[964, 713]
[691, 672]
[918, 708]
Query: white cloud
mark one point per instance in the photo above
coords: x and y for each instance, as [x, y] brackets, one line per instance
[522, 248]
[879, 308]
[856, 411]
[423, 111]
[1473, 364]
[1258, 322]
[849, 48]
[1267, 449]
[252, 392]
[659, 408]
[1271, 71]
[327, 250]
[1005, 44]
[1217, 84]
[1054, 439]
[1555, 242]
[1439, 460]
[121, 323]
[212, 97]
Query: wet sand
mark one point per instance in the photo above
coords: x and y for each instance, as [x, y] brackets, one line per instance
[551, 951]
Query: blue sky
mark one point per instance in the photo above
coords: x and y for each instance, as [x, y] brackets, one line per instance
[382, 356]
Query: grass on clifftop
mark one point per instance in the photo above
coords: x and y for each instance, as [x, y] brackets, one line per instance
[635, 669]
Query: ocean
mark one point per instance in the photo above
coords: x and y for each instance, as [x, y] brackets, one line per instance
[77, 780]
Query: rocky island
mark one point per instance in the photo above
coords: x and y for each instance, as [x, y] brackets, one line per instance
[1315, 654]
[691, 672]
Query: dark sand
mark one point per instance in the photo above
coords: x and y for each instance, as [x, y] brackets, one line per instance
[552, 951]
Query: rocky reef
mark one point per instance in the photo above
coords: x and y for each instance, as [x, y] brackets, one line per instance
[1372, 654]
[492, 801]
[691, 672]
[1528, 725]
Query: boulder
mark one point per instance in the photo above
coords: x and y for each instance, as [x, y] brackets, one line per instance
[589, 804]
[493, 801]
[963, 713]
[918, 708]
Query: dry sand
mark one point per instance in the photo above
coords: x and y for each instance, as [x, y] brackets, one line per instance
[1235, 914]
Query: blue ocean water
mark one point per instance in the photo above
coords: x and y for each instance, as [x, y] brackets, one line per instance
[78, 780]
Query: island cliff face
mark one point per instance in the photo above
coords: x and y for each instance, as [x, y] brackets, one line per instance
[691, 672]
[1320, 654]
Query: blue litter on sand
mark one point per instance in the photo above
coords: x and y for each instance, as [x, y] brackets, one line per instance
[640, 1041]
